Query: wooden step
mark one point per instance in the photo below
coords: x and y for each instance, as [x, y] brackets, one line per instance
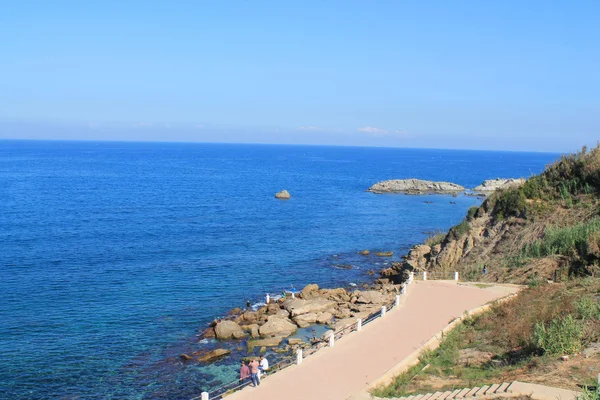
[444, 395]
[462, 393]
[453, 394]
[492, 389]
[472, 392]
[435, 396]
[482, 391]
[503, 387]
[419, 397]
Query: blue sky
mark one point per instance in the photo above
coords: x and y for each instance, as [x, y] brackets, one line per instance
[512, 75]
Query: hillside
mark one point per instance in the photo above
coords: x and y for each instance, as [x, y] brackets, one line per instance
[546, 229]
[545, 234]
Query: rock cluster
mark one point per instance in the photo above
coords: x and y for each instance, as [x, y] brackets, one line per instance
[280, 319]
[499, 183]
[415, 186]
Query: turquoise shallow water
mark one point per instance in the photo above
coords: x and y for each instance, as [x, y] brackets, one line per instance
[114, 255]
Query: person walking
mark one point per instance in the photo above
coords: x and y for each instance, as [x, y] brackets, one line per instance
[244, 373]
[254, 372]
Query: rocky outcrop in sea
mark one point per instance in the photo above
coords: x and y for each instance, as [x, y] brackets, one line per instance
[498, 183]
[283, 195]
[415, 186]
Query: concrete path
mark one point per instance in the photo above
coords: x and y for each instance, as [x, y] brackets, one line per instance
[360, 358]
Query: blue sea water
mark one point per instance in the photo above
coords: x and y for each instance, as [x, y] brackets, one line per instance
[113, 256]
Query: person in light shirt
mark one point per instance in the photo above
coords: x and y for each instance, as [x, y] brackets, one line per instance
[263, 365]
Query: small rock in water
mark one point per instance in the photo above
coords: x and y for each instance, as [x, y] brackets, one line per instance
[384, 253]
[283, 195]
[364, 252]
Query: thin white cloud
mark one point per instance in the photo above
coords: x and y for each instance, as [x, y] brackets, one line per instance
[372, 130]
[309, 128]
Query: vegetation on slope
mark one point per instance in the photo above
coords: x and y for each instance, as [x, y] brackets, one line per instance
[517, 340]
[545, 230]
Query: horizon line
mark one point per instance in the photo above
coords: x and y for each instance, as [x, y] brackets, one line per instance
[280, 144]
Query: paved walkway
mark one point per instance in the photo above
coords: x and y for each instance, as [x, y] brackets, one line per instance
[360, 358]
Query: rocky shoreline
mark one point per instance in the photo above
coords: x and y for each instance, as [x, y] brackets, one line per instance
[271, 325]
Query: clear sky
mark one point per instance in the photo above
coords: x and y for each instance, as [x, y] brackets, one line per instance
[514, 75]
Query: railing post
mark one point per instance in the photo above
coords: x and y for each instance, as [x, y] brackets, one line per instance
[455, 276]
[383, 310]
[397, 301]
[293, 295]
[203, 396]
[267, 298]
[298, 356]
[411, 277]
[332, 339]
[424, 275]
[403, 289]
[358, 324]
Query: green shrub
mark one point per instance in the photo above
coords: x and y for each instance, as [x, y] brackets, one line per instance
[510, 203]
[471, 213]
[567, 241]
[435, 239]
[459, 230]
[588, 307]
[590, 394]
[561, 336]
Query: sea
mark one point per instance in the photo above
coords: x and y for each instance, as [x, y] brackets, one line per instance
[114, 256]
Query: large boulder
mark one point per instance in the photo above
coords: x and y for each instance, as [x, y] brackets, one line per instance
[211, 355]
[305, 320]
[277, 327]
[324, 318]
[370, 297]
[283, 195]
[418, 257]
[299, 306]
[268, 342]
[229, 330]
[309, 290]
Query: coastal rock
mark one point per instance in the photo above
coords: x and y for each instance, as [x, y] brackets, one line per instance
[342, 323]
[185, 357]
[414, 186]
[364, 252]
[324, 318]
[370, 297]
[253, 329]
[277, 327]
[418, 257]
[268, 342]
[295, 341]
[339, 294]
[309, 290]
[384, 253]
[498, 183]
[208, 333]
[283, 195]
[305, 320]
[299, 307]
[229, 330]
[211, 355]
[342, 313]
